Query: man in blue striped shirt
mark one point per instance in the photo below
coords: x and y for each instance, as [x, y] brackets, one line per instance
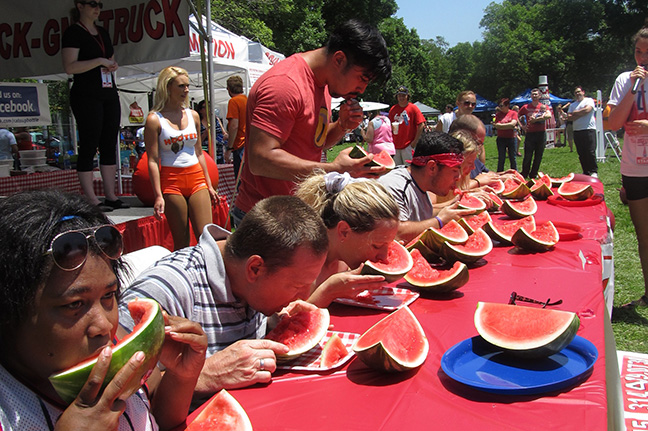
[229, 283]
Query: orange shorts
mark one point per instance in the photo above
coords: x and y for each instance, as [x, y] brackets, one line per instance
[182, 181]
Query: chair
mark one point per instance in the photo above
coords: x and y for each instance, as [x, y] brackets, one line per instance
[139, 260]
[612, 142]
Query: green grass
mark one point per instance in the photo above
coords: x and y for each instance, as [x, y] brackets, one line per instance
[629, 325]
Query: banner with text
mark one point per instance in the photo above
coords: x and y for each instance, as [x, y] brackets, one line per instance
[23, 104]
[141, 32]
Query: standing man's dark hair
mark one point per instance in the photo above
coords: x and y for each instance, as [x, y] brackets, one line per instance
[364, 46]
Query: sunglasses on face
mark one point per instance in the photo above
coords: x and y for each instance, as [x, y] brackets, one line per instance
[92, 4]
[69, 249]
[469, 103]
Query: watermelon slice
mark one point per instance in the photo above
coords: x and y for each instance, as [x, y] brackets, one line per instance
[147, 336]
[496, 202]
[431, 279]
[519, 209]
[478, 245]
[381, 159]
[398, 263]
[497, 186]
[557, 182]
[222, 412]
[395, 343]
[416, 243]
[541, 188]
[542, 238]
[576, 191]
[502, 231]
[451, 232]
[473, 222]
[300, 329]
[333, 351]
[515, 190]
[525, 331]
[471, 202]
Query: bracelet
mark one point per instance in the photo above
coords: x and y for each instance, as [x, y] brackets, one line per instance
[440, 222]
[478, 183]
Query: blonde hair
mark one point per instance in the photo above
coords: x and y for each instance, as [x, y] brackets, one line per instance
[470, 147]
[361, 204]
[166, 78]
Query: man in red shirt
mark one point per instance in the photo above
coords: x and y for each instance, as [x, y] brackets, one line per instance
[407, 125]
[236, 123]
[534, 142]
[288, 113]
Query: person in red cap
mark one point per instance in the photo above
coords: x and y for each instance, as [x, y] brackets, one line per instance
[407, 125]
[435, 167]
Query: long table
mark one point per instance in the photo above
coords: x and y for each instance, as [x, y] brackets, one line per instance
[358, 398]
[65, 180]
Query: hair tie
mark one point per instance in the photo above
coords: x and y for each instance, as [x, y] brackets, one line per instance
[335, 181]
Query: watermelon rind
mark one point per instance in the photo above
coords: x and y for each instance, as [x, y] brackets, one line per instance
[397, 253]
[524, 330]
[429, 279]
[526, 240]
[451, 232]
[309, 337]
[463, 252]
[541, 191]
[385, 345]
[147, 337]
[576, 192]
[519, 209]
[384, 158]
[222, 412]
[417, 244]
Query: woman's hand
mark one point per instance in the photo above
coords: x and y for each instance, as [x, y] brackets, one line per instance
[185, 344]
[158, 207]
[92, 409]
[213, 195]
[344, 285]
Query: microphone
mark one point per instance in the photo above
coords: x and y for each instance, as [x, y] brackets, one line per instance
[635, 87]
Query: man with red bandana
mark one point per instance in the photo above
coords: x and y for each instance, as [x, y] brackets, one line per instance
[435, 167]
[288, 113]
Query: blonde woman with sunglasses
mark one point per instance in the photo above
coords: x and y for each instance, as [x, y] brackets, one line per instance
[59, 288]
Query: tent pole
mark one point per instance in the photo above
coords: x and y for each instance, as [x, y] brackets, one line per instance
[210, 80]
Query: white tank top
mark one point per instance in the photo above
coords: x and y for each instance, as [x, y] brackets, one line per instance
[177, 148]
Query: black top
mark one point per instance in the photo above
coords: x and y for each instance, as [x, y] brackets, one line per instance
[90, 47]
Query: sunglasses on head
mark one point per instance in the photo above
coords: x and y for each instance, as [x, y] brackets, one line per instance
[92, 3]
[69, 249]
[469, 103]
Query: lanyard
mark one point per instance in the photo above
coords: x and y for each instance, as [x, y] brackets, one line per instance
[97, 38]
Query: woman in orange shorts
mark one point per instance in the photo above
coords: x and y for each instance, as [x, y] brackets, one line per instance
[177, 167]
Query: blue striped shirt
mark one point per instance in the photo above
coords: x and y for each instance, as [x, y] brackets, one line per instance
[192, 283]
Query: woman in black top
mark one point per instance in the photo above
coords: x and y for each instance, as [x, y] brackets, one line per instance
[88, 54]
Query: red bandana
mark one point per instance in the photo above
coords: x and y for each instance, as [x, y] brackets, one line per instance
[447, 159]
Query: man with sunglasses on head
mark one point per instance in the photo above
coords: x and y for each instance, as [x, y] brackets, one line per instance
[408, 124]
[229, 283]
[535, 140]
[435, 167]
[466, 103]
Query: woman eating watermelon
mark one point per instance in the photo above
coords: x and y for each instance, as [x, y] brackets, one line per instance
[361, 218]
[58, 307]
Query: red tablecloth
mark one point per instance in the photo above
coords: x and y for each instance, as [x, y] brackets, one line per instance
[65, 180]
[358, 398]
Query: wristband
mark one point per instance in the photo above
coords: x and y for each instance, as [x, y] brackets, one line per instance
[440, 222]
[478, 183]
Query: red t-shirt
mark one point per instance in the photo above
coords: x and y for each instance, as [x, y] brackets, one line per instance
[501, 117]
[287, 103]
[532, 112]
[409, 117]
[236, 109]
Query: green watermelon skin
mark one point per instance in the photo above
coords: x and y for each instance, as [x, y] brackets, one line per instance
[68, 383]
[525, 331]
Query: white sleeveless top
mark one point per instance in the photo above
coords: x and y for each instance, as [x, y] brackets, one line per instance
[21, 409]
[177, 148]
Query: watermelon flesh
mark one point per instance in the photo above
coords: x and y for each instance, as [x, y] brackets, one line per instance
[334, 351]
[525, 330]
[398, 263]
[147, 336]
[471, 202]
[384, 159]
[395, 343]
[473, 222]
[423, 275]
[222, 412]
[478, 245]
[300, 329]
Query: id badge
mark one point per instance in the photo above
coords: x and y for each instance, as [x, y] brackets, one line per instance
[106, 78]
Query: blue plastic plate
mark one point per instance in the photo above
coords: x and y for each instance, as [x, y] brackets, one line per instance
[476, 363]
